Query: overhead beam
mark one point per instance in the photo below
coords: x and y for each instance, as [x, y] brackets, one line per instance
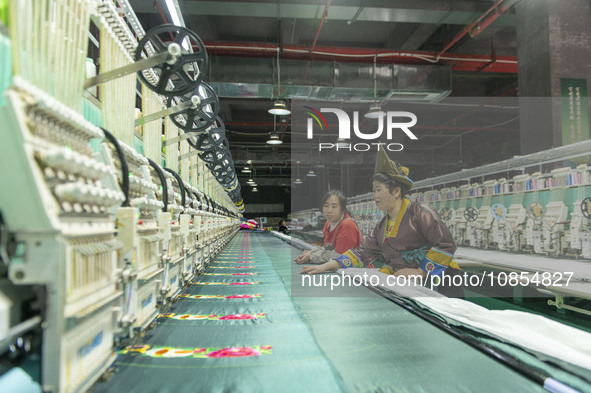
[419, 36]
[406, 11]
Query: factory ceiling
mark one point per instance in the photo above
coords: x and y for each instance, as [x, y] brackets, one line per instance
[320, 42]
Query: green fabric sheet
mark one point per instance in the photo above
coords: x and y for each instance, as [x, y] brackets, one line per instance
[349, 339]
[296, 359]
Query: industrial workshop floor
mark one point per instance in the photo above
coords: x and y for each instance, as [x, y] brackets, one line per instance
[238, 329]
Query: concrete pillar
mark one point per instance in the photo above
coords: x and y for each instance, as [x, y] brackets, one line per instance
[554, 52]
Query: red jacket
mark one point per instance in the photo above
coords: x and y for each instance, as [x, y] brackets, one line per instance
[344, 237]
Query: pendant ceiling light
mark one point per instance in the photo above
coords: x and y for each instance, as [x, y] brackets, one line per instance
[375, 110]
[279, 107]
[274, 139]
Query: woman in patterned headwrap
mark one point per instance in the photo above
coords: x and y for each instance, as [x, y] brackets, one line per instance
[411, 237]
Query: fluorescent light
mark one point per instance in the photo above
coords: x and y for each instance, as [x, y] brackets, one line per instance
[246, 170]
[342, 143]
[279, 108]
[174, 11]
[375, 112]
[311, 173]
[298, 181]
[274, 140]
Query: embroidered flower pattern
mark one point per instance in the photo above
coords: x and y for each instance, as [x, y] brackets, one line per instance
[199, 353]
[230, 274]
[243, 296]
[238, 316]
[234, 352]
[226, 283]
[211, 317]
[233, 267]
[221, 296]
[218, 263]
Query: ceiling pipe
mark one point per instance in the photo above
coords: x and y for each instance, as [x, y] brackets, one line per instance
[287, 122]
[493, 56]
[311, 53]
[491, 18]
[320, 27]
[437, 127]
[481, 23]
[458, 61]
[477, 108]
[354, 18]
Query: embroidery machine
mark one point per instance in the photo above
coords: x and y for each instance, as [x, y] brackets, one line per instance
[102, 230]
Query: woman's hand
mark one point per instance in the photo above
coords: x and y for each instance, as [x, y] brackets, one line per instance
[331, 265]
[303, 258]
[313, 269]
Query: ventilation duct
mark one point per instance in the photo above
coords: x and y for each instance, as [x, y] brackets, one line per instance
[240, 77]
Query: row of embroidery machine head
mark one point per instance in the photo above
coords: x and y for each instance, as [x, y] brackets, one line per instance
[539, 213]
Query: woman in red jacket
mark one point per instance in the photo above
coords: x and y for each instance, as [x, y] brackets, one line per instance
[340, 231]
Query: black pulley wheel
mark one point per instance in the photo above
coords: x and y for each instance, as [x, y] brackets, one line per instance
[470, 214]
[198, 118]
[213, 157]
[445, 214]
[186, 73]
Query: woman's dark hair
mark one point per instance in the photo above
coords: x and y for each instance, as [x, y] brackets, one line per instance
[382, 177]
[340, 196]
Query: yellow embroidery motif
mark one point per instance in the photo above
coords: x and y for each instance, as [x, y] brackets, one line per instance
[391, 229]
[442, 258]
[386, 269]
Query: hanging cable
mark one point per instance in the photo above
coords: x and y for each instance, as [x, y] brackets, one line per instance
[124, 167]
[162, 179]
[180, 183]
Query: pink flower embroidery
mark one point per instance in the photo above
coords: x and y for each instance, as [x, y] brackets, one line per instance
[265, 347]
[233, 352]
[242, 274]
[240, 297]
[242, 283]
[237, 316]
